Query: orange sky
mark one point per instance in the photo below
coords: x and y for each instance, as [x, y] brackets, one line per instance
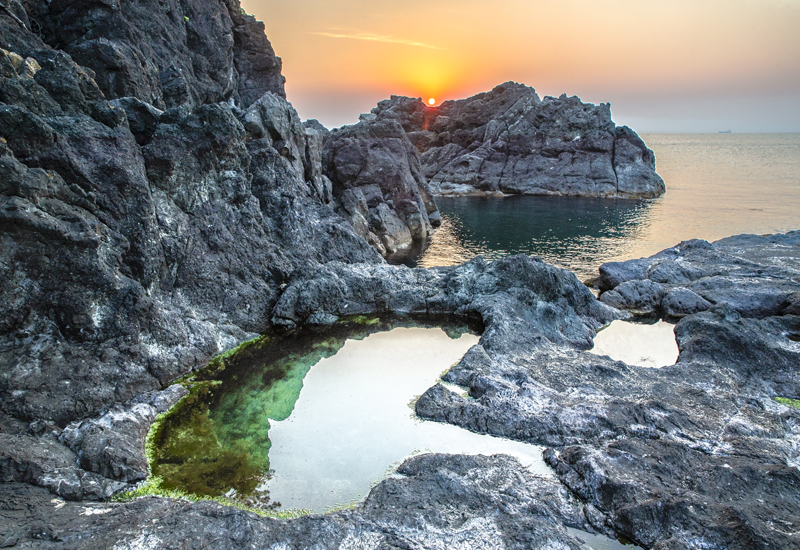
[665, 65]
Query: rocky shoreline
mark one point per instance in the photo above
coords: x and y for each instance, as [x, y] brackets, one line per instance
[161, 202]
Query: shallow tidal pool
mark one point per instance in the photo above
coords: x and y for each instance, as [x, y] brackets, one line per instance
[642, 344]
[313, 420]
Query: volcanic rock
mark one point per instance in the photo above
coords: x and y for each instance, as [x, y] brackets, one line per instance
[510, 141]
[756, 275]
[378, 184]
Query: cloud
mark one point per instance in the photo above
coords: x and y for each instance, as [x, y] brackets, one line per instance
[377, 38]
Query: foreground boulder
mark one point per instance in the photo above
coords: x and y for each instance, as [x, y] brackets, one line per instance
[510, 141]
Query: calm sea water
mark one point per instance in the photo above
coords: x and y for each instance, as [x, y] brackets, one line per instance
[717, 185]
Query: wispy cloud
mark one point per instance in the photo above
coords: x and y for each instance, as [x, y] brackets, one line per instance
[377, 38]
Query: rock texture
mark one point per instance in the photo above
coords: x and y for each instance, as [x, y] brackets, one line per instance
[160, 202]
[696, 455]
[756, 276]
[378, 184]
[136, 242]
[510, 141]
[437, 501]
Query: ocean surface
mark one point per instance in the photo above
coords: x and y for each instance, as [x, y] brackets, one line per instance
[718, 185]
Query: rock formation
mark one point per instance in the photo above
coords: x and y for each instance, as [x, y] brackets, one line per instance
[756, 276]
[140, 235]
[510, 141]
[378, 184]
[161, 202]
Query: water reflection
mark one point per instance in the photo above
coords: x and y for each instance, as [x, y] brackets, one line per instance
[313, 418]
[643, 344]
[717, 185]
[572, 232]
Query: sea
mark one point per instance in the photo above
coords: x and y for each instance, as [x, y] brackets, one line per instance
[718, 185]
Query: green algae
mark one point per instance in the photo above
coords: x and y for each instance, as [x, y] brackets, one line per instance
[794, 403]
[214, 444]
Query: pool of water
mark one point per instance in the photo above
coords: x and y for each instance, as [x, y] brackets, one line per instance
[314, 419]
[638, 343]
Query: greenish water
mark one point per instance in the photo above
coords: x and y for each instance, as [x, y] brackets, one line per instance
[718, 185]
[217, 442]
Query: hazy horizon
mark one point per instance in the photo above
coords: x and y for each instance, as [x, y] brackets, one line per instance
[683, 66]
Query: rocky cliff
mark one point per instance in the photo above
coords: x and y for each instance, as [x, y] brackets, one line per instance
[378, 184]
[152, 203]
[510, 141]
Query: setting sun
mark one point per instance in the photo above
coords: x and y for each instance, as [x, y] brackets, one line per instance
[432, 101]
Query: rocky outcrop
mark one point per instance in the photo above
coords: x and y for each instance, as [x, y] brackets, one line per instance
[165, 53]
[137, 242]
[755, 275]
[693, 455]
[436, 501]
[378, 184]
[510, 141]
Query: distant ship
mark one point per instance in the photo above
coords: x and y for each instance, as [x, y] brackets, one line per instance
[724, 131]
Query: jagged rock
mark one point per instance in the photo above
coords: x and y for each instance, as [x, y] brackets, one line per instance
[680, 302]
[45, 462]
[523, 302]
[642, 297]
[166, 53]
[757, 276]
[510, 141]
[378, 184]
[142, 117]
[641, 443]
[437, 501]
[129, 262]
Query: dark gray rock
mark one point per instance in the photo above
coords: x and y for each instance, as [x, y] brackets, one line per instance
[756, 275]
[142, 117]
[680, 302]
[112, 445]
[166, 53]
[640, 297]
[437, 501]
[132, 259]
[693, 455]
[378, 184]
[512, 142]
[45, 462]
[523, 303]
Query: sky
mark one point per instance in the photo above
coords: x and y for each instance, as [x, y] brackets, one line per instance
[664, 65]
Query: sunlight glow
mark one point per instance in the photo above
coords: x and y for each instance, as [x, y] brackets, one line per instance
[432, 101]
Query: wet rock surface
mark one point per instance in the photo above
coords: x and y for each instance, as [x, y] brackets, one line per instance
[511, 141]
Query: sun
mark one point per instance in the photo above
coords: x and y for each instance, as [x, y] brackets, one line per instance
[432, 101]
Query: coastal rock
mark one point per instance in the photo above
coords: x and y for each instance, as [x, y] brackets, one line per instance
[136, 244]
[436, 501]
[112, 445]
[642, 297]
[378, 184]
[640, 444]
[166, 53]
[755, 275]
[523, 302]
[680, 302]
[509, 141]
